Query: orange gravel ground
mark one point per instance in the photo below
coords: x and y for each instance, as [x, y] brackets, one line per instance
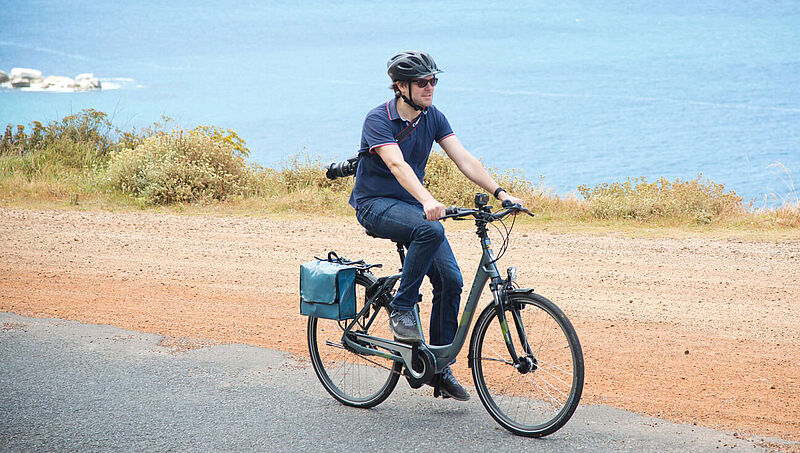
[691, 330]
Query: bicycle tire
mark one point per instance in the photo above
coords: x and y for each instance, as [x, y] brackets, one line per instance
[353, 379]
[535, 403]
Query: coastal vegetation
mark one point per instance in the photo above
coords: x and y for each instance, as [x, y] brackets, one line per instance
[83, 159]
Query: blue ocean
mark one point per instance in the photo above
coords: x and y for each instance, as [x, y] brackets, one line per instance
[569, 92]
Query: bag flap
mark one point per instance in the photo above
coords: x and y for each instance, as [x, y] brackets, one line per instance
[318, 281]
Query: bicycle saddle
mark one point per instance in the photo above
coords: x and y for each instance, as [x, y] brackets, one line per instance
[371, 234]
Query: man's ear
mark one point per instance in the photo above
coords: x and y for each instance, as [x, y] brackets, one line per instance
[402, 85]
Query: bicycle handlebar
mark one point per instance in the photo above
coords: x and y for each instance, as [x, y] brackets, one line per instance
[454, 212]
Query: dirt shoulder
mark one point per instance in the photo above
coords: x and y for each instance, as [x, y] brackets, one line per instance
[691, 330]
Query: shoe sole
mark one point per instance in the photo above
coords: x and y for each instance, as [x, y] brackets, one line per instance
[446, 394]
[416, 339]
[407, 340]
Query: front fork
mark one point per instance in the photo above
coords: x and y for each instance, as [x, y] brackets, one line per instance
[527, 362]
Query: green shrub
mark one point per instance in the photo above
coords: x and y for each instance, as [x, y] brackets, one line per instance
[135, 137]
[79, 141]
[83, 140]
[696, 201]
[180, 167]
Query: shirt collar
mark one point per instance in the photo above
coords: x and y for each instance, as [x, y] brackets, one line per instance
[391, 110]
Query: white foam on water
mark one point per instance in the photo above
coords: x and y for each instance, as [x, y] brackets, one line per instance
[107, 84]
[118, 83]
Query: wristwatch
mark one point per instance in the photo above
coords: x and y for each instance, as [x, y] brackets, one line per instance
[497, 191]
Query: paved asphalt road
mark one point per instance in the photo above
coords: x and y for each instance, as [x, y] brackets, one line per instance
[66, 386]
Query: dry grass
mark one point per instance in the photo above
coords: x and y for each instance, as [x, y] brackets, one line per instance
[180, 167]
[83, 160]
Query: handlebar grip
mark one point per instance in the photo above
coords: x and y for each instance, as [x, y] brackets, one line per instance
[447, 211]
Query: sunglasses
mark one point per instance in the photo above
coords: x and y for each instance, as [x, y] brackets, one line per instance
[422, 83]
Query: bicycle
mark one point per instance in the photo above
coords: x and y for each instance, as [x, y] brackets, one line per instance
[529, 378]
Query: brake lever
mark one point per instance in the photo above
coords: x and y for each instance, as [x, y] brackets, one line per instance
[516, 207]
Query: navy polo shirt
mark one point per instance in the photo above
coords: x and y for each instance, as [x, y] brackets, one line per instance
[381, 126]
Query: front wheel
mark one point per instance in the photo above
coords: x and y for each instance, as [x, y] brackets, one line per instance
[537, 395]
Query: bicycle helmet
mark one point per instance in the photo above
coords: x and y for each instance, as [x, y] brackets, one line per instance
[408, 65]
[411, 64]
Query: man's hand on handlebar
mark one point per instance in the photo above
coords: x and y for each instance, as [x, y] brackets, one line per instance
[506, 196]
[514, 208]
[433, 210]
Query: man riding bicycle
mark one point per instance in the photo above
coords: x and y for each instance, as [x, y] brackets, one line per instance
[390, 199]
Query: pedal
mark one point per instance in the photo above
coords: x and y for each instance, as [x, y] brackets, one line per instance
[437, 392]
[413, 383]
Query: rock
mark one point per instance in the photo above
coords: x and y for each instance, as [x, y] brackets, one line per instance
[88, 84]
[17, 82]
[32, 75]
[4, 77]
[24, 77]
[32, 78]
[59, 83]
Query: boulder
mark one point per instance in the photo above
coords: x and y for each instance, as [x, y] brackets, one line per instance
[32, 79]
[88, 84]
[32, 75]
[17, 82]
[58, 83]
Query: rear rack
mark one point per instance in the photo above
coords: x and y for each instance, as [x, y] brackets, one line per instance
[333, 257]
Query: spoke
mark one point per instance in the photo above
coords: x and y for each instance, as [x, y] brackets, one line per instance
[538, 399]
[545, 370]
[356, 376]
[374, 362]
[491, 359]
[547, 383]
[333, 345]
[555, 402]
[492, 350]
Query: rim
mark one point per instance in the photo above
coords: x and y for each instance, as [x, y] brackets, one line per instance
[539, 399]
[353, 377]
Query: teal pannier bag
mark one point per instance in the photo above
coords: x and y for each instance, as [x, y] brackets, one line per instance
[328, 290]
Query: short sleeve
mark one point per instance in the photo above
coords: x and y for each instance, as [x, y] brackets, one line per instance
[377, 131]
[443, 129]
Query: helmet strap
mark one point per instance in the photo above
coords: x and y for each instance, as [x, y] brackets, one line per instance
[408, 100]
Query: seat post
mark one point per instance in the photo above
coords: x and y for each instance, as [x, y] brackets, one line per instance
[402, 252]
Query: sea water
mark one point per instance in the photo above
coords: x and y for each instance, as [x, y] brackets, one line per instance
[571, 92]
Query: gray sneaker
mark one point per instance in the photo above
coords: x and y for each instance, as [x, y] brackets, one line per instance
[403, 325]
[449, 387]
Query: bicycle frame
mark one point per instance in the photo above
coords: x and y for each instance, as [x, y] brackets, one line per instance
[445, 354]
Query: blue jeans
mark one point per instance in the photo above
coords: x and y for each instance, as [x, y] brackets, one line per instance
[428, 254]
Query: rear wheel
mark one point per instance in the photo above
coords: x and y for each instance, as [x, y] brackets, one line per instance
[539, 394]
[352, 378]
